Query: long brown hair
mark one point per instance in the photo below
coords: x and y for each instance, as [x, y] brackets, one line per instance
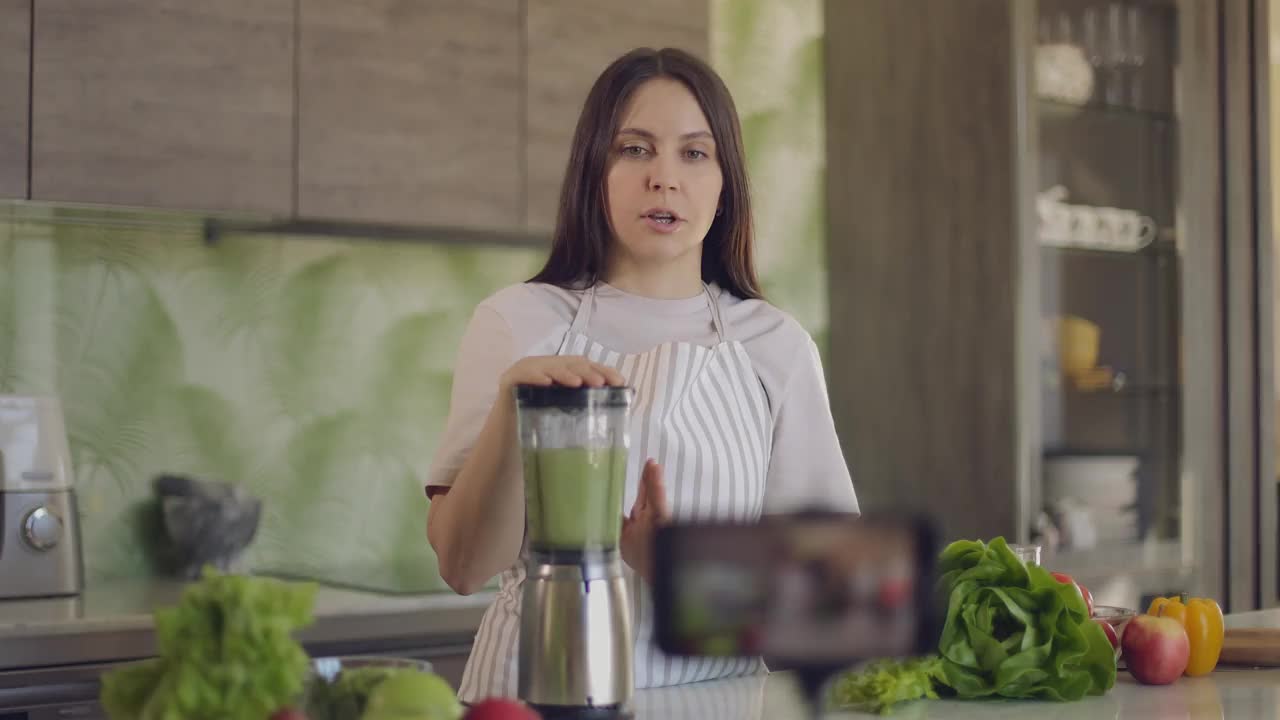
[582, 229]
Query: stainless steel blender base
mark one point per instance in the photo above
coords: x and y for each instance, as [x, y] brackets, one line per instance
[564, 712]
[576, 639]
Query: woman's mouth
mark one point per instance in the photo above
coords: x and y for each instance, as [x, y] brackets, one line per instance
[662, 220]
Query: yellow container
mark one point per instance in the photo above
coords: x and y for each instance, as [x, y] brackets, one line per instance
[1078, 342]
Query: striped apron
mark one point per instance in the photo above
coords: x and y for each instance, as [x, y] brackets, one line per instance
[702, 414]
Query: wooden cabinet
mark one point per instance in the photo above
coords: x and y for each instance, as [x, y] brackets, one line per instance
[427, 113]
[15, 98]
[569, 42]
[409, 112]
[923, 302]
[164, 103]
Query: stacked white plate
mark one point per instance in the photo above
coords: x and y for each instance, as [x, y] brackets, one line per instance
[1102, 490]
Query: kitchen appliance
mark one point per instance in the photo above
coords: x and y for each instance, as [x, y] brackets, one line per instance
[576, 639]
[39, 535]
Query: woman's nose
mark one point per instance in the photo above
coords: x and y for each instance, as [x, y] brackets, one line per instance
[663, 176]
[657, 184]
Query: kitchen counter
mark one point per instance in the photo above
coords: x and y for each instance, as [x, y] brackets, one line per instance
[75, 639]
[1226, 693]
[1222, 695]
[112, 623]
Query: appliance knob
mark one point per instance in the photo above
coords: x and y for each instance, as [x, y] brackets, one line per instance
[42, 529]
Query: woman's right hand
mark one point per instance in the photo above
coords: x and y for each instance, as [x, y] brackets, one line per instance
[567, 370]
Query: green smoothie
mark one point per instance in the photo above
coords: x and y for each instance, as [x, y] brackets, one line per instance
[574, 497]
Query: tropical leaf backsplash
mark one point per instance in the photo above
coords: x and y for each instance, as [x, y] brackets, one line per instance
[316, 372]
[770, 55]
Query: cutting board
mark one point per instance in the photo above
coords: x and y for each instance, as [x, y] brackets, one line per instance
[1256, 647]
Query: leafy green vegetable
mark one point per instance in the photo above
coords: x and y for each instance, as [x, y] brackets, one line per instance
[227, 652]
[1014, 631]
[885, 683]
[125, 692]
[1011, 630]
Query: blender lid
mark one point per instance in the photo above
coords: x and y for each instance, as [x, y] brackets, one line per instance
[561, 396]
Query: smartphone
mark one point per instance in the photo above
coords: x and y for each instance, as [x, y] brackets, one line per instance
[807, 589]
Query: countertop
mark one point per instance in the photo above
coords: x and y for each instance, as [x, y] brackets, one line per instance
[1227, 693]
[1222, 695]
[112, 622]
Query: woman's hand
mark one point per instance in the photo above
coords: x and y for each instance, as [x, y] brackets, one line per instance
[647, 514]
[567, 370]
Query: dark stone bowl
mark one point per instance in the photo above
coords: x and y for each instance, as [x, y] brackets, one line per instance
[205, 522]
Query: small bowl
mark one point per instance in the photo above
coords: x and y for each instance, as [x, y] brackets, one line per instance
[328, 668]
[1116, 617]
[325, 671]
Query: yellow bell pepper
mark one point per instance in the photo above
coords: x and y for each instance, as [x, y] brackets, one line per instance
[1202, 619]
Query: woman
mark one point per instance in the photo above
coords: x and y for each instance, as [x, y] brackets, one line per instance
[650, 283]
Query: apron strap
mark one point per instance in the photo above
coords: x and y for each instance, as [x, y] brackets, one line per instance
[716, 318]
[583, 316]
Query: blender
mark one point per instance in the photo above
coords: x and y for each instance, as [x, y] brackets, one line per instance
[575, 646]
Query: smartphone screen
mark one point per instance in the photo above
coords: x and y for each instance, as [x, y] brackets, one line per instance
[804, 589]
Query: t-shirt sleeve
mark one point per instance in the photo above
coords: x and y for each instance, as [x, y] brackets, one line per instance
[807, 468]
[486, 351]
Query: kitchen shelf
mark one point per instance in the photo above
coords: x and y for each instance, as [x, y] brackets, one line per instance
[1129, 390]
[1056, 451]
[1059, 111]
[1158, 249]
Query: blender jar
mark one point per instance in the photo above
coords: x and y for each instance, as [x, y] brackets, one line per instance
[574, 444]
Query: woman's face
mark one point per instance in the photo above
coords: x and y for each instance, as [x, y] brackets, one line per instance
[663, 181]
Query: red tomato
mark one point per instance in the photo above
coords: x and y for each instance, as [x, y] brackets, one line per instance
[1088, 598]
[1111, 633]
[1084, 591]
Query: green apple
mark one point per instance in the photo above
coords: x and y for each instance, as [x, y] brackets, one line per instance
[413, 696]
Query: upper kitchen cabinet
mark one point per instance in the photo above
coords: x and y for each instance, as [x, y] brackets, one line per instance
[409, 112]
[15, 98]
[569, 42]
[164, 103]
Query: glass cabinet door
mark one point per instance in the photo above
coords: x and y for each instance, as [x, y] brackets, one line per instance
[1108, 496]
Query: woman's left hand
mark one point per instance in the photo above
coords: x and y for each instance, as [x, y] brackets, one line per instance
[647, 514]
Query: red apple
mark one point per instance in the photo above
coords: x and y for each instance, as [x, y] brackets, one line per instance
[501, 709]
[288, 713]
[1155, 649]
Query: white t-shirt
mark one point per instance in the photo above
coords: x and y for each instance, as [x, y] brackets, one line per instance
[806, 466]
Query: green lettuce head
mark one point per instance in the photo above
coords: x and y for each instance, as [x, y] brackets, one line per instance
[1013, 631]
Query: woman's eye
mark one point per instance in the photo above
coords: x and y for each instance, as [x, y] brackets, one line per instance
[634, 151]
[694, 154]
